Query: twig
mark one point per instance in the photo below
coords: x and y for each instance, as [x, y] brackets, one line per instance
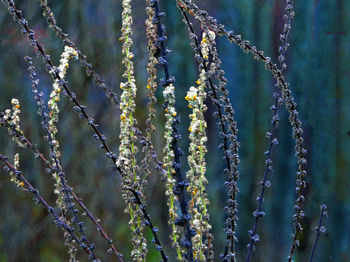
[271, 135]
[319, 230]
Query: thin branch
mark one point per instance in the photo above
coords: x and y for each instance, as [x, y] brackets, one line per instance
[271, 135]
[319, 230]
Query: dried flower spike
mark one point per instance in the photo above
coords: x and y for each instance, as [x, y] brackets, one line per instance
[197, 173]
[151, 33]
[127, 148]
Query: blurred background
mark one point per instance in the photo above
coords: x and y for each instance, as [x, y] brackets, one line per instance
[318, 71]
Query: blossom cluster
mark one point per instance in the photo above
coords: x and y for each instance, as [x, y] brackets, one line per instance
[197, 174]
[67, 54]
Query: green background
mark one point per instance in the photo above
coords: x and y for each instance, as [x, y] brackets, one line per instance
[318, 72]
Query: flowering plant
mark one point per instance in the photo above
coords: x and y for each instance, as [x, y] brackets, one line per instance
[137, 159]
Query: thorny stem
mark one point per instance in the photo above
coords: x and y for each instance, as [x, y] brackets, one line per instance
[58, 221]
[264, 183]
[179, 178]
[23, 139]
[231, 207]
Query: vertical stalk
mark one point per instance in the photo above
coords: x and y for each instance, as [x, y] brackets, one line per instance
[127, 147]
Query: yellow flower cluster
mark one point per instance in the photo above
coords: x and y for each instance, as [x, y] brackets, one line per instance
[196, 160]
[207, 37]
[12, 118]
[15, 112]
[13, 176]
[67, 54]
